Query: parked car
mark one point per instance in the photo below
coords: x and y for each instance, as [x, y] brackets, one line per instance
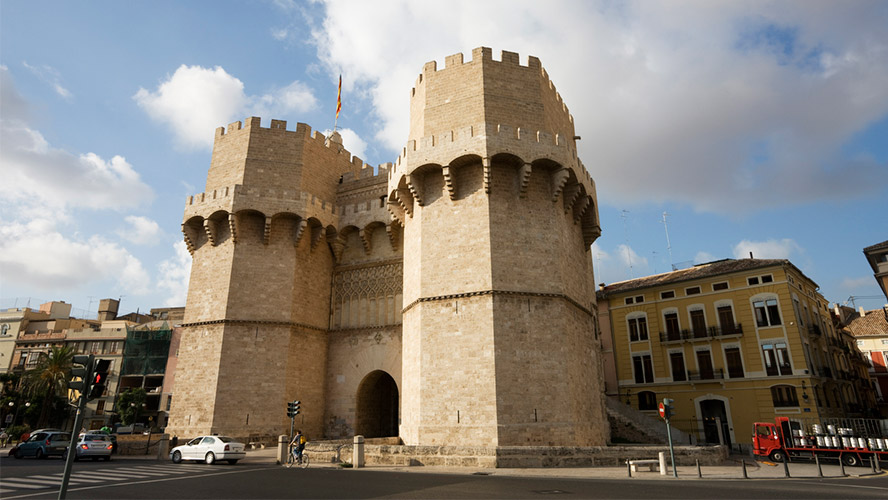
[209, 449]
[94, 445]
[44, 444]
[113, 438]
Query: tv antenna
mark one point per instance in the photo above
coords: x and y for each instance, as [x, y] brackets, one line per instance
[668, 245]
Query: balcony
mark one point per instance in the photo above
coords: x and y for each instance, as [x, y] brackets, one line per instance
[706, 375]
[814, 330]
[825, 372]
[712, 332]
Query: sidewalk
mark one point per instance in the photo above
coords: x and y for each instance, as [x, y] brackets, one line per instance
[732, 469]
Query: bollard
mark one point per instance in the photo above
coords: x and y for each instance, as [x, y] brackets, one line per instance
[873, 464]
[842, 465]
[358, 452]
[628, 468]
[745, 476]
[662, 457]
[878, 465]
[819, 468]
[785, 465]
[699, 472]
[282, 449]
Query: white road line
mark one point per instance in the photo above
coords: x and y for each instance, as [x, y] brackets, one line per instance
[28, 485]
[57, 478]
[844, 485]
[96, 475]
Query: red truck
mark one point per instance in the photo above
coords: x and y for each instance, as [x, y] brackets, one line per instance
[786, 439]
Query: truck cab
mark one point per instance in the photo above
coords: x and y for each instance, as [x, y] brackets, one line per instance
[767, 442]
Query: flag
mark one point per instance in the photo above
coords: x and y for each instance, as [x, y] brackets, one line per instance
[339, 98]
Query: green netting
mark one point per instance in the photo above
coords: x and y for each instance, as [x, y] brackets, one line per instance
[146, 351]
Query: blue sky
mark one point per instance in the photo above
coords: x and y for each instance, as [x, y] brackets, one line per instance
[757, 126]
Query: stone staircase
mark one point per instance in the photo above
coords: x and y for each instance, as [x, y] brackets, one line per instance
[630, 425]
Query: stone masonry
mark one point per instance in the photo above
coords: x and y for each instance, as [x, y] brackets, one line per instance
[446, 298]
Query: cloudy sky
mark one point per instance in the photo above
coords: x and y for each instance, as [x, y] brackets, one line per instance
[756, 126]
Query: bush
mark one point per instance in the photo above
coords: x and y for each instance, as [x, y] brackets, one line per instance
[16, 432]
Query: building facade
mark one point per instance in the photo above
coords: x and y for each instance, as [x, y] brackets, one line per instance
[877, 257]
[445, 298]
[870, 331]
[732, 342]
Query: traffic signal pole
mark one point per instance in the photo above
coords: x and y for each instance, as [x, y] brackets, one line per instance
[86, 375]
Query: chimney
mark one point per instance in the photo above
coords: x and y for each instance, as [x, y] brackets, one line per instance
[108, 309]
[750, 255]
[602, 285]
[861, 311]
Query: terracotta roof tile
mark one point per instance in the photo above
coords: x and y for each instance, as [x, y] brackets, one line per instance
[877, 246]
[873, 323]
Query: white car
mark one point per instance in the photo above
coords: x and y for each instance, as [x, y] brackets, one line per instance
[209, 449]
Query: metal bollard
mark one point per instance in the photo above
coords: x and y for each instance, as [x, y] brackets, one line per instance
[628, 468]
[699, 472]
[745, 476]
[786, 465]
[819, 468]
[878, 465]
[842, 465]
[873, 464]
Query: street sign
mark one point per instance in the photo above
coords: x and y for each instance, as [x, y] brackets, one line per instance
[9, 418]
[662, 409]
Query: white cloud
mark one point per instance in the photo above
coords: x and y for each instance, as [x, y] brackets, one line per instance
[40, 178]
[50, 76]
[36, 254]
[769, 249]
[140, 230]
[856, 283]
[175, 273]
[194, 101]
[703, 257]
[730, 107]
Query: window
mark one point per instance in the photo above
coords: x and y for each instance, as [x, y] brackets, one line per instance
[638, 329]
[95, 347]
[735, 362]
[647, 400]
[100, 407]
[4, 329]
[776, 359]
[884, 341]
[629, 300]
[766, 312]
[673, 331]
[784, 396]
[753, 280]
[667, 295]
[720, 286]
[678, 366]
[704, 363]
[639, 299]
[114, 348]
[860, 343]
[767, 278]
[726, 320]
[698, 323]
[644, 369]
[694, 290]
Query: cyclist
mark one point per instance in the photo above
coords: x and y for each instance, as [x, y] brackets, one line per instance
[297, 445]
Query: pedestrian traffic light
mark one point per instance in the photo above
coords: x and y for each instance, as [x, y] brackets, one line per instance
[293, 408]
[82, 369]
[669, 409]
[99, 378]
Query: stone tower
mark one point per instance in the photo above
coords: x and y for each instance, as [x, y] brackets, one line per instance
[499, 329]
[257, 313]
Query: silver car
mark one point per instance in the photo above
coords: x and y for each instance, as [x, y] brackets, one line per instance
[94, 446]
[209, 449]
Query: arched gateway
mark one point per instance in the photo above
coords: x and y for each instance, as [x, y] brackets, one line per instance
[377, 411]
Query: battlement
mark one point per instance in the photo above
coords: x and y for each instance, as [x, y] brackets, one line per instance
[501, 132]
[253, 125]
[484, 56]
[367, 172]
[224, 197]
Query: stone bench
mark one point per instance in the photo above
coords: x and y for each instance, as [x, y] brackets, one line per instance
[633, 464]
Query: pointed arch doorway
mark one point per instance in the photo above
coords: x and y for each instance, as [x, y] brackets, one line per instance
[377, 408]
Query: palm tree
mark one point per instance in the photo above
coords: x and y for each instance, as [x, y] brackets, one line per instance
[50, 379]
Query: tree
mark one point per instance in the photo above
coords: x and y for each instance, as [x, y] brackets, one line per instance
[129, 404]
[49, 380]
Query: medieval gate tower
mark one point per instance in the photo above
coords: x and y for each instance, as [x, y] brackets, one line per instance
[446, 298]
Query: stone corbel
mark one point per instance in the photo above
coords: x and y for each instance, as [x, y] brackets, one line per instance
[408, 208]
[571, 195]
[448, 181]
[392, 230]
[523, 179]
[208, 228]
[366, 235]
[189, 244]
[266, 235]
[485, 167]
[337, 245]
[581, 208]
[317, 234]
[232, 226]
[559, 179]
[414, 189]
[300, 230]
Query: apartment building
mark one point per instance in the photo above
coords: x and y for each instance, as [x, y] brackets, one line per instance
[732, 342]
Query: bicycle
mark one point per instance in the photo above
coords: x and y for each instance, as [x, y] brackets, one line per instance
[303, 461]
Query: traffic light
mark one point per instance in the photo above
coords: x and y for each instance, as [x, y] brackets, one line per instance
[99, 378]
[667, 403]
[82, 369]
[293, 408]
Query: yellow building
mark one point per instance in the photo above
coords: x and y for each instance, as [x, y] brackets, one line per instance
[732, 342]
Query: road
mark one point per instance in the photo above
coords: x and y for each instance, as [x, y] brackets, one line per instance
[39, 479]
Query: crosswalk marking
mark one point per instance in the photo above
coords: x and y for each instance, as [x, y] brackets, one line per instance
[103, 475]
